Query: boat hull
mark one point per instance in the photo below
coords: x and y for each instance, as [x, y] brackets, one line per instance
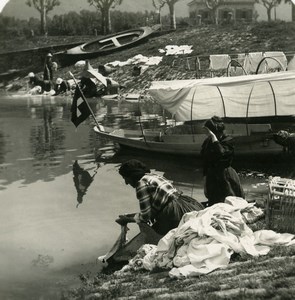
[188, 144]
[105, 45]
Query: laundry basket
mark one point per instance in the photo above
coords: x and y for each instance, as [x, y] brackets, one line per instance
[280, 206]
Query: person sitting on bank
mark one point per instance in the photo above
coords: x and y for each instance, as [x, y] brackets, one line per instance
[61, 87]
[221, 179]
[161, 204]
[35, 80]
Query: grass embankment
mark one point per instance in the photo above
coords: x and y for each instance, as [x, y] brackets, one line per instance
[266, 277]
[205, 40]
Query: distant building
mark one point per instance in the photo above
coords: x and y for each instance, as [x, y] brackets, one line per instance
[239, 11]
[227, 11]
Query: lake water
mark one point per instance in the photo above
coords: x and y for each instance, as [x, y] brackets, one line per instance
[47, 237]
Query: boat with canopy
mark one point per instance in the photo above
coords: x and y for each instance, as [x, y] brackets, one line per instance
[254, 108]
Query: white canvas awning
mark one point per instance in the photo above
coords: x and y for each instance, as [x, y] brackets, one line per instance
[259, 95]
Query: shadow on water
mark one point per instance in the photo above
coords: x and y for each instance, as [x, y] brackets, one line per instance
[82, 180]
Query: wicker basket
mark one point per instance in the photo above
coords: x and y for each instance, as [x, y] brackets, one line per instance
[280, 206]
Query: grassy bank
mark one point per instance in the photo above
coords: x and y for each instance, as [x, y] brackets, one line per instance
[205, 40]
[266, 277]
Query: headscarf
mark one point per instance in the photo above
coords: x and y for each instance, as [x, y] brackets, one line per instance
[133, 168]
[215, 124]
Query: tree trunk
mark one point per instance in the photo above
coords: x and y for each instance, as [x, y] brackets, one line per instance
[103, 30]
[108, 21]
[43, 19]
[269, 14]
[172, 16]
[159, 21]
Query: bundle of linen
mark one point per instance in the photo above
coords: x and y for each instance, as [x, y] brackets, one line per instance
[205, 240]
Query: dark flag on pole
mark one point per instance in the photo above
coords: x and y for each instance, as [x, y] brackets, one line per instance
[79, 109]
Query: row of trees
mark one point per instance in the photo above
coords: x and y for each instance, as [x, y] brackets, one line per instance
[83, 23]
[105, 19]
[103, 7]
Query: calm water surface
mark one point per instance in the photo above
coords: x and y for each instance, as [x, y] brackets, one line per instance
[48, 234]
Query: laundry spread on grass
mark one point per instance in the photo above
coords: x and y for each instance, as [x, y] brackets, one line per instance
[205, 240]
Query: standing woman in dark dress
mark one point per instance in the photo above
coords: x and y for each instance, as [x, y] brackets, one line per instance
[221, 180]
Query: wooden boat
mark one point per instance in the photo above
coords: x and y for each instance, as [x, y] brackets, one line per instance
[259, 141]
[254, 107]
[105, 45]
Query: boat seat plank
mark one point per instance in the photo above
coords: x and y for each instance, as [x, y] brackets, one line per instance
[241, 129]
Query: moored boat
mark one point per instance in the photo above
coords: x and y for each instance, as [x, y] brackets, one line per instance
[254, 108]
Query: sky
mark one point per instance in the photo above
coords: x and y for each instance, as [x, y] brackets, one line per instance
[2, 4]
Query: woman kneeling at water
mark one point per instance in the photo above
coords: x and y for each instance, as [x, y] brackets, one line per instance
[161, 204]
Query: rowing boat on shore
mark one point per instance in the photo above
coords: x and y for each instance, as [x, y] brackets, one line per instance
[105, 45]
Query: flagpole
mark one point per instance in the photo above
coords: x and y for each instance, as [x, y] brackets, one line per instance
[84, 98]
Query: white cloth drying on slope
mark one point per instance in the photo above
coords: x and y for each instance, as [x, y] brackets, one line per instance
[251, 62]
[291, 64]
[176, 50]
[219, 61]
[279, 56]
[137, 59]
[205, 240]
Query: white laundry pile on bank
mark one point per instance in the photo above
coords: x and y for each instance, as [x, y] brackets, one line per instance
[205, 240]
[176, 50]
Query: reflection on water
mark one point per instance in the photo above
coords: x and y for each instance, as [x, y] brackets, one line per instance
[48, 168]
[82, 180]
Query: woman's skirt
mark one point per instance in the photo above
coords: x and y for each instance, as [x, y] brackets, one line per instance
[221, 183]
[171, 214]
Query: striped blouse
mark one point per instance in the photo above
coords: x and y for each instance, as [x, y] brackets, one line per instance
[153, 191]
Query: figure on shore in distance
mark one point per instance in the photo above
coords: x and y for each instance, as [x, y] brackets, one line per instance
[287, 140]
[61, 87]
[38, 85]
[161, 204]
[221, 180]
[48, 69]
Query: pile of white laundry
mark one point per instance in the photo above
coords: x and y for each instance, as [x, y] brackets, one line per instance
[205, 240]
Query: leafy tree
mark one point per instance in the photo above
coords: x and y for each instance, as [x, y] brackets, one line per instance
[43, 6]
[270, 5]
[104, 6]
[212, 5]
[171, 6]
